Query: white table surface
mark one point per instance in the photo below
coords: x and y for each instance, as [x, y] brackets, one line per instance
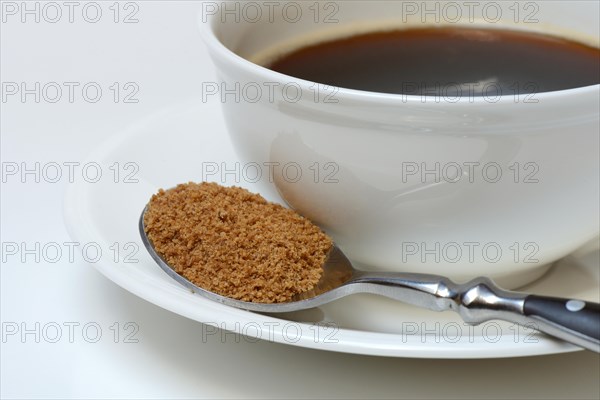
[164, 56]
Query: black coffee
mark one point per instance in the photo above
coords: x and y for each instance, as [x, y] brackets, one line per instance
[447, 61]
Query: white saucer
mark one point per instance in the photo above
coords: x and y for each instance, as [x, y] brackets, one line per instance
[170, 148]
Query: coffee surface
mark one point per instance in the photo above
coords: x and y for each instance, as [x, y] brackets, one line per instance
[447, 62]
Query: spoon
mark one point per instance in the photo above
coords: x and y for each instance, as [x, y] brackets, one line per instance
[476, 301]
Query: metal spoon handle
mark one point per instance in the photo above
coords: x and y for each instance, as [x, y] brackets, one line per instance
[481, 300]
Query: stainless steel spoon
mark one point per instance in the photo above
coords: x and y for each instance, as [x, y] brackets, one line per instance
[477, 301]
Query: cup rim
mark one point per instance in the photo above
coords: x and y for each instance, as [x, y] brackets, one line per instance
[213, 43]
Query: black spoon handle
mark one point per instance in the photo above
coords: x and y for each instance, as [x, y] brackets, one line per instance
[579, 317]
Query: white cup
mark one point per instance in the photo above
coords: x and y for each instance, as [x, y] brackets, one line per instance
[500, 186]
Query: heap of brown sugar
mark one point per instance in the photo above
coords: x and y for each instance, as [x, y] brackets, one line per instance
[235, 243]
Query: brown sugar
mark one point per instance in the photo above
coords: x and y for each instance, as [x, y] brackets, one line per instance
[235, 243]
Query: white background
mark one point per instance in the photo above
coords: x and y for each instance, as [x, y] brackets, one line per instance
[164, 56]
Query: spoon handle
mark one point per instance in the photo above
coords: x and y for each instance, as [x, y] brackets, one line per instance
[481, 300]
[576, 321]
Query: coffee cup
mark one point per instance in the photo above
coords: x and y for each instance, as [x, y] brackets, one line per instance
[501, 186]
